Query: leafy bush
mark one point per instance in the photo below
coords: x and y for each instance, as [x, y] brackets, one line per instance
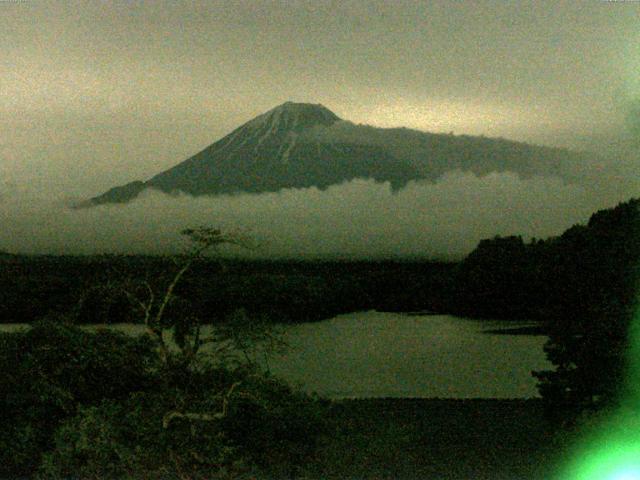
[101, 405]
[49, 371]
[186, 431]
[277, 428]
[127, 440]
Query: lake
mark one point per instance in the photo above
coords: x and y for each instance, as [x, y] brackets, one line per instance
[377, 354]
[380, 354]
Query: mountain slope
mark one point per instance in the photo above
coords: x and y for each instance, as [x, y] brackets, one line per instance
[297, 145]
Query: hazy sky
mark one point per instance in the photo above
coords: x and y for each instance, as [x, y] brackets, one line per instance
[97, 93]
[94, 94]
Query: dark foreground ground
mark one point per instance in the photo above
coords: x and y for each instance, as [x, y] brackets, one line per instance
[439, 439]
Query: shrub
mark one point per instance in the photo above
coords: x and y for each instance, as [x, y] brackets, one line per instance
[52, 369]
[216, 424]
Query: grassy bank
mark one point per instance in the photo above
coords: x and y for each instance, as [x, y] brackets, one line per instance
[439, 439]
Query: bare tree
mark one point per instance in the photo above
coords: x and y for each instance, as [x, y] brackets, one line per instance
[239, 335]
[153, 304]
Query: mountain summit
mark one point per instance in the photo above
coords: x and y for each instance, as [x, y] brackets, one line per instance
[299, 145]
[293, 117]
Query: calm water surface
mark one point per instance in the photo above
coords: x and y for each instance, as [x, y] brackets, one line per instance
[376, 354]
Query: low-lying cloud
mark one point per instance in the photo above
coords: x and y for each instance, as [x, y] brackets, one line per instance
[361, 218]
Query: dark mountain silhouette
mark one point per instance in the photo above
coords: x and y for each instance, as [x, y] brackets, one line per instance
[297, 145]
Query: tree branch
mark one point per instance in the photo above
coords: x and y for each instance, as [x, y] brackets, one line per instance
[202, 417]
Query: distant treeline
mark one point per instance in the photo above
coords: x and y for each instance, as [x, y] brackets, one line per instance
[89, 287]
[589, 271]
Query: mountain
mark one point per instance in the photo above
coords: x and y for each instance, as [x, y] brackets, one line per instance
[297, 145]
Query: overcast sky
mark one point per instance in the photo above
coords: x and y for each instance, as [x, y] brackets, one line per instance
[98, 93]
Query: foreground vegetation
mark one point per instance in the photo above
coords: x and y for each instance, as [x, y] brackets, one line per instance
[106, 405]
